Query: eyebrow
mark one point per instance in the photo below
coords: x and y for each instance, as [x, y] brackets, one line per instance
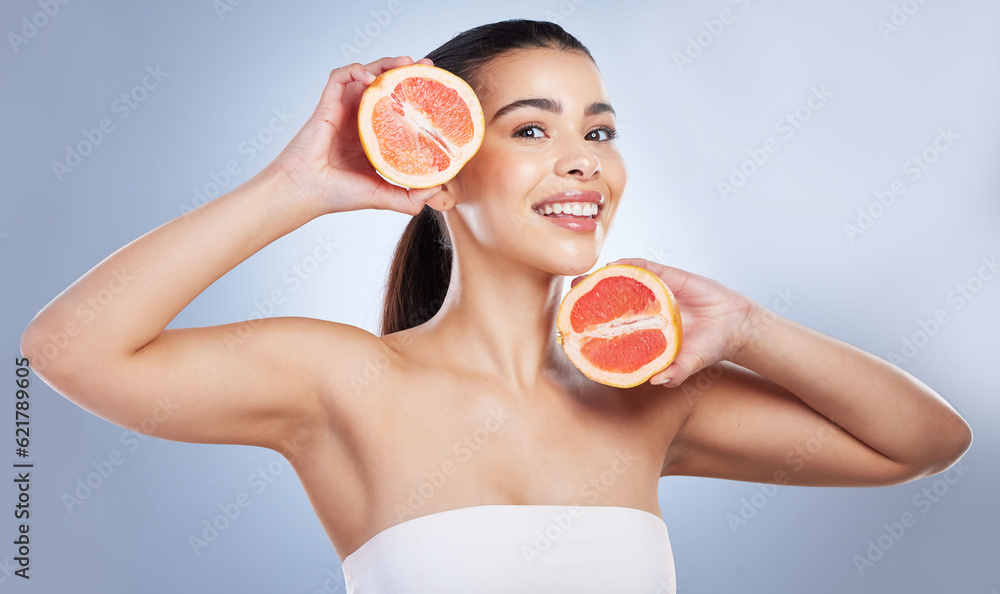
[551, 105]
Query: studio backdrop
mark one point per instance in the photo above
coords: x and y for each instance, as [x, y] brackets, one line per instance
[834, 160]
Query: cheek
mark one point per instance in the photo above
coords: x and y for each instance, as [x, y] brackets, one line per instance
[615, 172]
[501, 176]
[495, 186]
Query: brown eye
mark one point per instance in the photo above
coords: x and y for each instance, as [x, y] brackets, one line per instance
[529, 131]
[603, 134]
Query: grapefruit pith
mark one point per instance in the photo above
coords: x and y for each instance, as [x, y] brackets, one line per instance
[620, 325]
[419, 125]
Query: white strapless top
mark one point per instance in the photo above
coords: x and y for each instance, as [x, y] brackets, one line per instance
[517, 549]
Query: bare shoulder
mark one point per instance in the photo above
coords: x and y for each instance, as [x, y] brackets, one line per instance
[354, 360]
[343, 361]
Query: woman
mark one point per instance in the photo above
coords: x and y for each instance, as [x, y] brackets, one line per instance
[460, 450]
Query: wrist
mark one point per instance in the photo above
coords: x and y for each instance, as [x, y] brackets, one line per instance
[754, 334]
[285, 193]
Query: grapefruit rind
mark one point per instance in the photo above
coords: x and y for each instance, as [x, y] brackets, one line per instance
[383, 86]
[571, 340]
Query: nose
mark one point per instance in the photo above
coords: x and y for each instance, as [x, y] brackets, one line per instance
[578, 160]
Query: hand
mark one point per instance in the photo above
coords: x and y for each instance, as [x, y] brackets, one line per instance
[325, 164]
[712, 319]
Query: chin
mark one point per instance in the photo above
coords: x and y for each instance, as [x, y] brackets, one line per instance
[574, 266]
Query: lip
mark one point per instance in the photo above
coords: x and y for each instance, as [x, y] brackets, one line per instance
[574, 196]
[571, 223]
[576, 224]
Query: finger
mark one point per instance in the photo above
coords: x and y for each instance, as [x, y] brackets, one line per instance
[399, 199]
[672, 276]
[683, 366]
[660, 379]
[653, 267]
[356, 72]
[427, 61]
[359, 73]
[340, 77]
[384, 64]
[422, 195]
[576, 281]
[641, 263]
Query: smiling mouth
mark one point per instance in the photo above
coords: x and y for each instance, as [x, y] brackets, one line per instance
[581, 210]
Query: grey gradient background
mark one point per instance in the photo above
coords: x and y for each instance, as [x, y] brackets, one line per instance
[683, 129]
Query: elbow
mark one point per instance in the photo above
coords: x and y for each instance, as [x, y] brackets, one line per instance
[30, 345]
[951, 441]
[48, 353]
[959, 440]
[32, 348]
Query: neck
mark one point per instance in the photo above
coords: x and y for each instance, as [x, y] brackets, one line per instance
[498, 322]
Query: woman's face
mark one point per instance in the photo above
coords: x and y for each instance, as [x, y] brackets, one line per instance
[549, 129]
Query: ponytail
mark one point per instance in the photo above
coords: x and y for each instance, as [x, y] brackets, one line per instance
[419, 273]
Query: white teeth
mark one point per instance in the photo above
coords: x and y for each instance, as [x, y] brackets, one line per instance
[579, 209]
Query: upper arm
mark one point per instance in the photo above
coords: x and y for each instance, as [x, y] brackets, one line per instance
[742, 426]
[267, 384]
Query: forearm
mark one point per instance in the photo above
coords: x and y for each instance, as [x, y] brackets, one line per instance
[878, 403]
[125, 301]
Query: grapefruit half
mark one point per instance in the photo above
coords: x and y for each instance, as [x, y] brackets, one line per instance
[620, 325]
[419, 125]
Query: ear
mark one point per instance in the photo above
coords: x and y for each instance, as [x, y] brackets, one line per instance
[442, 200]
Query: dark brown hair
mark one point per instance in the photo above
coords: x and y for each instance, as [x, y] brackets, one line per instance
[421, 264]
